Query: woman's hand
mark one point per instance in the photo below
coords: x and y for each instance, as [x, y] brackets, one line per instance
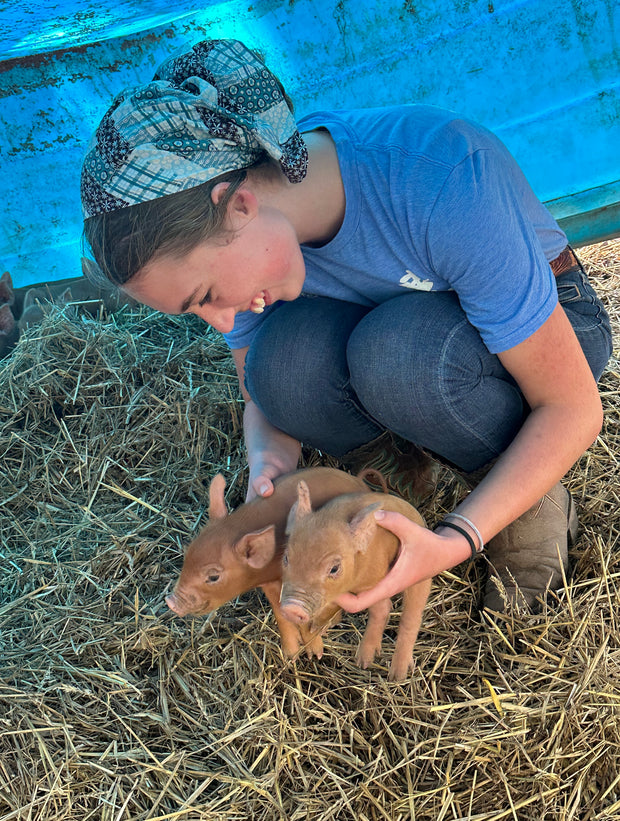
[423, 554]
[262, 475]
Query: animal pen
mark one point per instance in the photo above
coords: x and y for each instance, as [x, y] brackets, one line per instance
[111, 427]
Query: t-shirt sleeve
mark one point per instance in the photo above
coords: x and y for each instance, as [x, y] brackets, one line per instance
[482, 241]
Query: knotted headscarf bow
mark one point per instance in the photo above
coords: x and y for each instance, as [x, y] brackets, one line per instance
[213, 109]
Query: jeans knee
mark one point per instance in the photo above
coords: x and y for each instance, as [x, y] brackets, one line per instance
[297, 373]
[399, 357]
[280, 365]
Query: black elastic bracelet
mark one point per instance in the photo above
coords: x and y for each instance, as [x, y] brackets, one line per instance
[463, 532]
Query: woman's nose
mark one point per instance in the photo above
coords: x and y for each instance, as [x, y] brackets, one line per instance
[222, 320]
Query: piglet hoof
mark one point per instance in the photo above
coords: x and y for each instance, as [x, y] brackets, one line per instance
[366, 654]
[400, 668]
[312, 642]
[315, 648]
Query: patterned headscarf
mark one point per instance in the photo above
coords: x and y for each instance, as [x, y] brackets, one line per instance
[213, 109]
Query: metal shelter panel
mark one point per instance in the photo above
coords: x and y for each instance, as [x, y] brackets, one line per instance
[543, 75]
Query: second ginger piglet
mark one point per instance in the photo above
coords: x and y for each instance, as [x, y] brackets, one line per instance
[340, 548]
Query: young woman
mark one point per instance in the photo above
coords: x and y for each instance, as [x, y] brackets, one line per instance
[372, 270]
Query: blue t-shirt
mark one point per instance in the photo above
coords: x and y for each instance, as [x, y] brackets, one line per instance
[433, 203]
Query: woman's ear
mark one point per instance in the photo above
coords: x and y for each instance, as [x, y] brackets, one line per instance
[242, 207]
[218, 191]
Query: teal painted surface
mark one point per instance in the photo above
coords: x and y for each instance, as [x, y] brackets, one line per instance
[543, 75]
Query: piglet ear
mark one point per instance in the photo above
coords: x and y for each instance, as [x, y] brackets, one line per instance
[258, 548]
[217, 504]
[31, 299]
[290, 520]
[7, 294]
[301, 508]
[363, 526]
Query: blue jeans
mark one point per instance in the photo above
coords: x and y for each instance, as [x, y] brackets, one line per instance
[335, 375]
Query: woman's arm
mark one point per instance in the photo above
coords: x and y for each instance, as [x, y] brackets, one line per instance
[566, 416]
[565, 419]
[271, 452]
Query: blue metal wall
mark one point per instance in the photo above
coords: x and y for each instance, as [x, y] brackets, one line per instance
[543, 75]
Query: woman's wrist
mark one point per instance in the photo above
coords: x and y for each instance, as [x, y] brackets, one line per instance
[470, 528]
[457, 543]
[266, 446]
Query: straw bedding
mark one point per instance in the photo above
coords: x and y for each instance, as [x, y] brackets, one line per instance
[112, 708]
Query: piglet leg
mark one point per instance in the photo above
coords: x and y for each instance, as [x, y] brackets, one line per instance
[290, 636]
[370, 645]
[312, 641]
[414, 601]
[311, 633]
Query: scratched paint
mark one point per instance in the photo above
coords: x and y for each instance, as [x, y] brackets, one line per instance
[544, 75]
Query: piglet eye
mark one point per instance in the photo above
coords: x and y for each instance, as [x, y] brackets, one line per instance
[334, 569]
[213, 577]
[285, 560]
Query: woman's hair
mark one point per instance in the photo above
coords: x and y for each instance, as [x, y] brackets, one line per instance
[124, 241]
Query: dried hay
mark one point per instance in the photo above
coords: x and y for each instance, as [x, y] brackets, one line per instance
[111, 708]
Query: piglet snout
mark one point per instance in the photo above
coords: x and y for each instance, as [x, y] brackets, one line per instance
[293, 610]
[176, 605]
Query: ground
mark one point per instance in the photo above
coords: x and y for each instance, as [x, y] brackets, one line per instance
[112, 708]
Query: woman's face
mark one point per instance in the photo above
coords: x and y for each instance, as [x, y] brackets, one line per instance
[219, 278]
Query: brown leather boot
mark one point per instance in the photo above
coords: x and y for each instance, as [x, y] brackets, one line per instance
[527, 557]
